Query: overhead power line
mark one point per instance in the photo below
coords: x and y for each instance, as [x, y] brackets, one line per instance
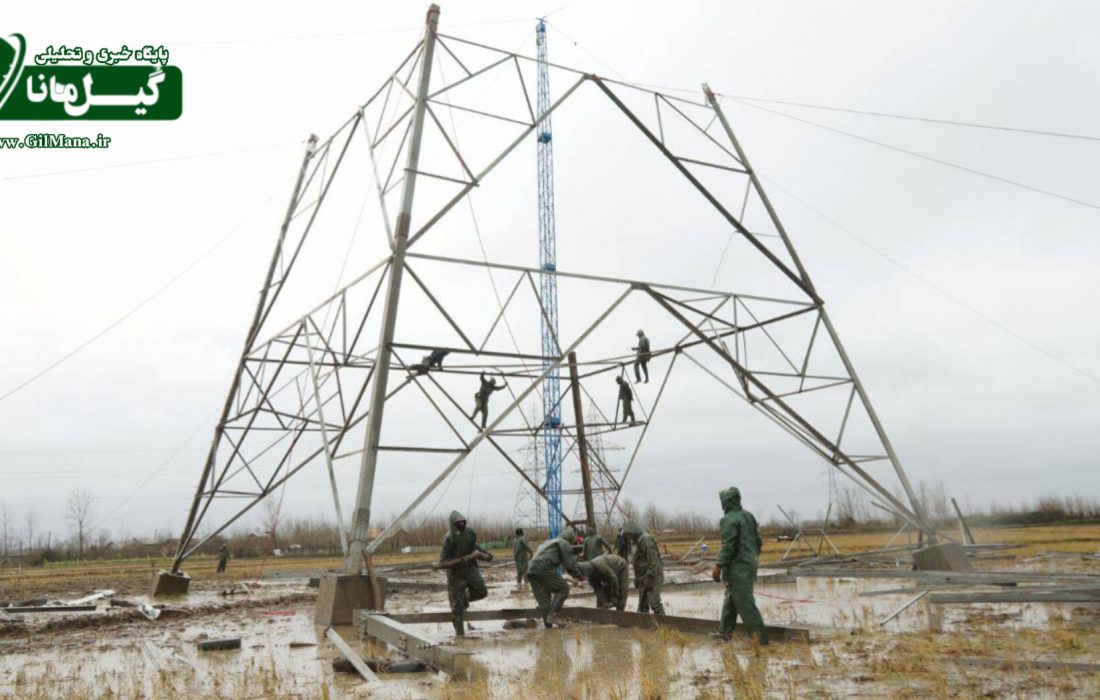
[922, 156]
[908, 117]
[927, 283]
[130, 164]
[140, 305]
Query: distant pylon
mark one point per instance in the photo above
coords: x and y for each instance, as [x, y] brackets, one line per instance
[528, 510]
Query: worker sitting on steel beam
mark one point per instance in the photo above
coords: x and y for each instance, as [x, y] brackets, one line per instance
[648, 569]
[641, 360]
[736, 565]
[593, 545]
[609, 577]
[481, 398]
[626, 398]
[459, 557]
[522, 553]
[547, 584]
[433, 360]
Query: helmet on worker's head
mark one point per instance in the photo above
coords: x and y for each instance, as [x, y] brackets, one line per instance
[568, 534]
[640, 333]
[519, 532]
[586, 569]
[632, 529]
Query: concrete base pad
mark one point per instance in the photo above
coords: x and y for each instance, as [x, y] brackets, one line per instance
[948, 556]
[167, 583]
[339, 595]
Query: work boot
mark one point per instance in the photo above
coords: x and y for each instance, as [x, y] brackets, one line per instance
[460, 630]
[721, 636]
[553, 620]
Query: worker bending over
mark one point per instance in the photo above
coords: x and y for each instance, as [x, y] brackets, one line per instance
[547, 584]
[608, 576]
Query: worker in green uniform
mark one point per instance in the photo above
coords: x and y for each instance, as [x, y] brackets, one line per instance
[481, 398]
[648, 570]
[549, 587]
[594, 545]
[736, 565]
[609, 577]
[223, 558]
[641, 359]
[464, 582]
[622, 545]
[522, 552]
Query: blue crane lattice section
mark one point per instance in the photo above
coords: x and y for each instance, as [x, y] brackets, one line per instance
[548, 259]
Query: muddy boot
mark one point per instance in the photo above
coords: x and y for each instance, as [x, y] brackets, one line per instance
[460, 630]
[720, 636]
[553, 620]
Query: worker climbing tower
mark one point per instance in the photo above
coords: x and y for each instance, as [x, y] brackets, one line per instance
[548, 263]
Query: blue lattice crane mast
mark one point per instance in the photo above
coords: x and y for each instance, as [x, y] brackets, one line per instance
[548, 259]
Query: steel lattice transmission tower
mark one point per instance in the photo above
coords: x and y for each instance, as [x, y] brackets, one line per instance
[548, 263]
[314, 379]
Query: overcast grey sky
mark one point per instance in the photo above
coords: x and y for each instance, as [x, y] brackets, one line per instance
[922, 266]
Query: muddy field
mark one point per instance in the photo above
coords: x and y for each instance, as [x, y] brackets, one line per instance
[927, 651]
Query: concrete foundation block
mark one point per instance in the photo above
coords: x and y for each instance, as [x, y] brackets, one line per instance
[948, 556]
[167, 583]
[340, 595]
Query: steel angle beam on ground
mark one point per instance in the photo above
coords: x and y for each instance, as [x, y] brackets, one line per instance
[406, 638]
[690, 625]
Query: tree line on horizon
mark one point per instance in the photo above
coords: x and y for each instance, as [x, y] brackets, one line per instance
[23, 542]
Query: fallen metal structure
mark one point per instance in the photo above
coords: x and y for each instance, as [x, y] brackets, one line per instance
[354, 659]
[312, 389]
[403, 637]
[600, 616]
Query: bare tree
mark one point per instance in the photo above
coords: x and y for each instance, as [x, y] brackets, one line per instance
[78, 511]
[5, 523]
[270, 521]
[30, 520]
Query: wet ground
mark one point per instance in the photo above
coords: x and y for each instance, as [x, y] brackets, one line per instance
[121, 654]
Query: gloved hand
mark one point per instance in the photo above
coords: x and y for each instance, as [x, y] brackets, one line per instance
[648, 583]
[716, 573]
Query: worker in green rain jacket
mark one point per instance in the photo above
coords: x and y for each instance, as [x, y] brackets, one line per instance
[648, 569]
[736, 565]
[594, 545]
[549, 587]
[521, 551]
[609, 576]
[464, 582]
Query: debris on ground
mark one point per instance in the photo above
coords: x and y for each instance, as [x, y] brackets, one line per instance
[220, 644]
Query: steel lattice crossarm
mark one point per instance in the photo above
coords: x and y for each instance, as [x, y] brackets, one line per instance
[312, 388]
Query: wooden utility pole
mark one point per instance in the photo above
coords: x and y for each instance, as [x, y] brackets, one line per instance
[582, 444]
